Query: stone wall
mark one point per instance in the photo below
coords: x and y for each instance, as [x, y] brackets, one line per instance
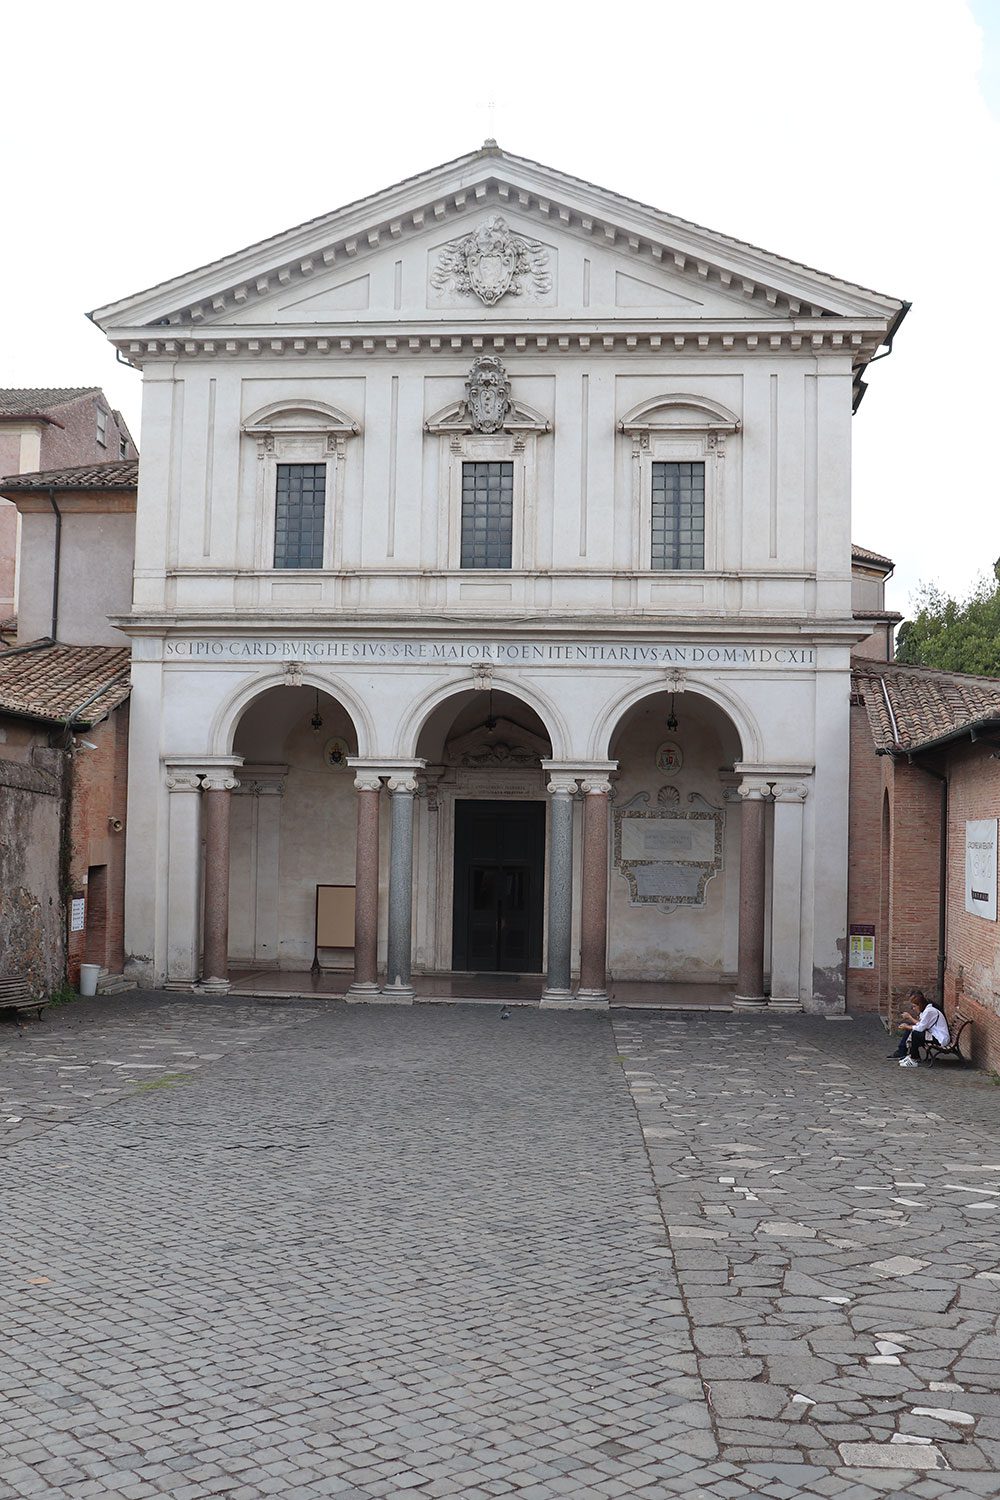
[32, 937]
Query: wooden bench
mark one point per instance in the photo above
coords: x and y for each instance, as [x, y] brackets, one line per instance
[15, 995]
[934, 1050]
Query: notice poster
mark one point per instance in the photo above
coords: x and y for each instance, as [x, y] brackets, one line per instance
[981, 868]
[861, 945]
[77, 910]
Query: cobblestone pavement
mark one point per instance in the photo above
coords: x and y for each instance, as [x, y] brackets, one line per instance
[313, 1250]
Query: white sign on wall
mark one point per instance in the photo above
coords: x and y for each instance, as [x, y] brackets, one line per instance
[981, 868]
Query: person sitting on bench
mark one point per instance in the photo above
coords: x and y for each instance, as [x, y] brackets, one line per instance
[928, 1021]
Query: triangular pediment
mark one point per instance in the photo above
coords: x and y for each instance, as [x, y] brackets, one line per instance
[581, 252]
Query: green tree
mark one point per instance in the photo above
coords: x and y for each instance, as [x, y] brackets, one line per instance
[955, 635]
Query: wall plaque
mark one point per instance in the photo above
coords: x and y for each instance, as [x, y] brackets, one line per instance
[667, 855]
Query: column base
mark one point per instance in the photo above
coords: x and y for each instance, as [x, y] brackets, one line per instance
[749, 1002]
[592, 1000]
[556, 997]
[358, 993]
[213, 987]
[398, 993]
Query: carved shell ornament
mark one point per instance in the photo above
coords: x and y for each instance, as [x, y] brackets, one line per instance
[492, 261]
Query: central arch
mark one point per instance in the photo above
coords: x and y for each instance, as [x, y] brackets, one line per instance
[481, 833]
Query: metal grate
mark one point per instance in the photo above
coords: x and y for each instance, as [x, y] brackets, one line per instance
[487, 514]
[678, 516]
[298, 516]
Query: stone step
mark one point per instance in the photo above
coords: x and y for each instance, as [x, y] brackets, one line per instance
[114, 984]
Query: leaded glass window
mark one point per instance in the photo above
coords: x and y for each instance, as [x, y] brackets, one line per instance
[298, 516]
[487, 514]
[678, 516]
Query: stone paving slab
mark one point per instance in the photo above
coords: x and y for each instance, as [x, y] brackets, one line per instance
[313, 1249]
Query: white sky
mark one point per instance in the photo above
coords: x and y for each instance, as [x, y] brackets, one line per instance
[854, 135]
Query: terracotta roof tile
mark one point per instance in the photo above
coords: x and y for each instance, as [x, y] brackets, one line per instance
[34, 401]
[51, 682]
[862, 554]
[910, 708]
[122, 475]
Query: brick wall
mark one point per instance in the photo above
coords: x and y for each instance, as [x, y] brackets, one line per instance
[893, 873]
[97, 848]
[972, 975]
[864, 853]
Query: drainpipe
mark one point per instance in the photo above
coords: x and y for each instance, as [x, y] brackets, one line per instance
[942, 876]
[55, 566]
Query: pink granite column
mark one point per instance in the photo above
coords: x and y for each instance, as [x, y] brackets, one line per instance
[216, 790]
[750, 963]
[594, 894]
[365, 980]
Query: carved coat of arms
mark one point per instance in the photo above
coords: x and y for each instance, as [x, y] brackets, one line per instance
[488, 396]
[492, 261]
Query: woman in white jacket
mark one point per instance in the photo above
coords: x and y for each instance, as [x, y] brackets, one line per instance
[929, 1021]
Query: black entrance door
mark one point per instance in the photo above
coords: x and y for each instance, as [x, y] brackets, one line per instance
[499, 883]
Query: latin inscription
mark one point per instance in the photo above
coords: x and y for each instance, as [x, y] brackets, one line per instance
[525, 653]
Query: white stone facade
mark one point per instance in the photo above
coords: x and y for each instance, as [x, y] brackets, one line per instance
[626, 339]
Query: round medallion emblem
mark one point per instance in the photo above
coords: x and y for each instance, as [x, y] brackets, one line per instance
[669, 757]
[335, 753]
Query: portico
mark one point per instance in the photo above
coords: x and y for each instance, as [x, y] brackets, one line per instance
[479, 843]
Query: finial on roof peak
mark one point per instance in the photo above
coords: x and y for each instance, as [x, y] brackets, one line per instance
[490, 144]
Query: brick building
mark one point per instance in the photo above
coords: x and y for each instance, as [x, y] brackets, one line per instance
[63, 759]
[42, 429]
[922, 882]
[64, 726]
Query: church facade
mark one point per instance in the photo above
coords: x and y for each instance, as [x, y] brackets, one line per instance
[492, 604]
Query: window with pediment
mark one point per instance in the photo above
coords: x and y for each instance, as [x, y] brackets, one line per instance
[678, 481]
[488, 473]
[302, 453]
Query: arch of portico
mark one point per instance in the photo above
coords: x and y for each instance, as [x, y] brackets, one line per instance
[718, 896]
[385, 821]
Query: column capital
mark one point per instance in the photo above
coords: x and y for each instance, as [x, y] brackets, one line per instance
[560, 783]
[367, 781]
[789, 791]
[402, 781]
[752, 789]
[596, 786]
[181, 770]
[181, 779]
[218, 781]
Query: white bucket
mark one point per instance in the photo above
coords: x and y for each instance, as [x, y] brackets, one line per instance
[89, 975]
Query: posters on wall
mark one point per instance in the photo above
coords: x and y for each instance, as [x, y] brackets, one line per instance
[981, 868]
[861, 945]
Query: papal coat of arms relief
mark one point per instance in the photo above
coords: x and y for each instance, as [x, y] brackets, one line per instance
[492, 261]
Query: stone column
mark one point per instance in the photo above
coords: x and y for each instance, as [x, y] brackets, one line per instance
[750, 963]
[786, 895]
[365, 982]
[562, 787]
[594, 897]
[402, 787]
[217, 787]
[183, 876]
